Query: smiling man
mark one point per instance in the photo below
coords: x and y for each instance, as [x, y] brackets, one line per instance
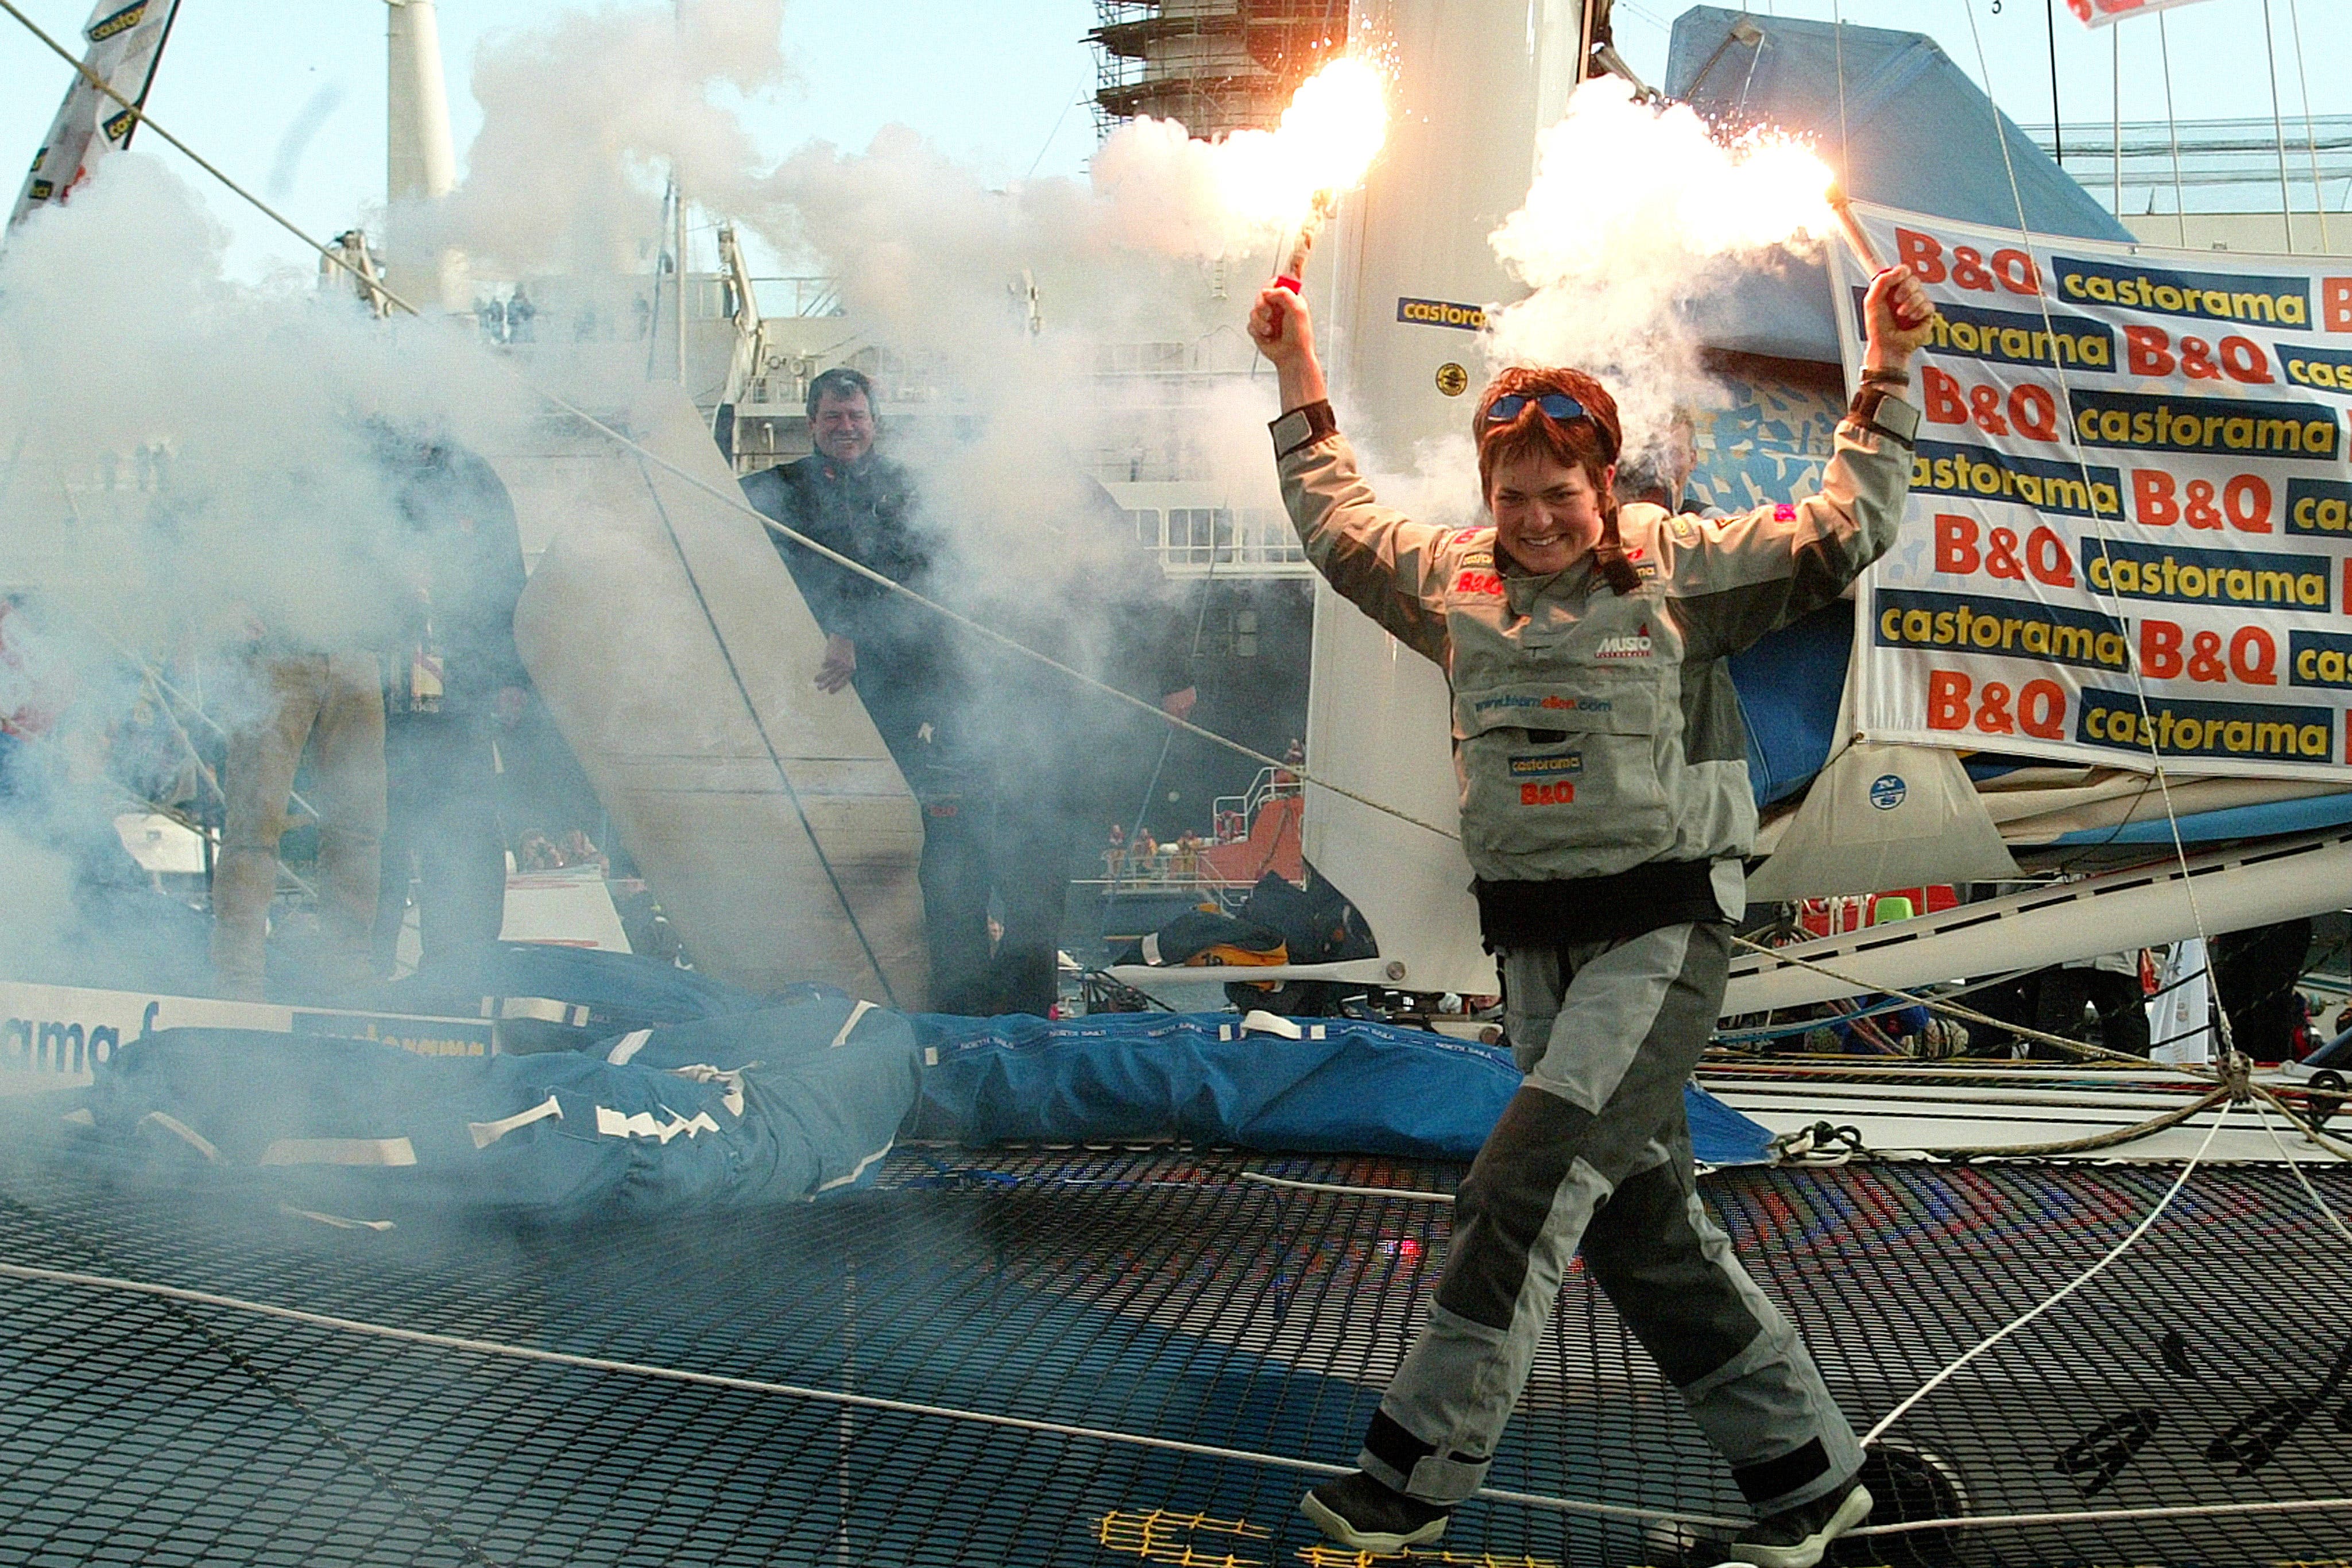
[1605, 810]
[852, 500]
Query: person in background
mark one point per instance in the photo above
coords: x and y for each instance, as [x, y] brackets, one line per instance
[897, 656]
[454, 686]
[288, 691]
[1661, 477]
[2112, 985]
[1605, 810]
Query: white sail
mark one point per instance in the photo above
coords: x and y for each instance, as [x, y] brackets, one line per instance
[1883, 816]
[1473, 77]
[677, 656]
[126, 40]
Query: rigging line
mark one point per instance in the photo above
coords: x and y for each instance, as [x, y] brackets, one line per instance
[2057, 123]
[2172, 127]
[2278, 128]
[2295, 1165]
[1401, 1194]
[2064, 1291]
[2310, 127]
[140, 117]
[2079, 1048]
[435, 1519]
[2115, 105]
[1168, 740]
[737, 502]
[152, 672]
[2311, 1130]
[2099, 526]
[500, 1350]
[2106, 1516]
[187, 742]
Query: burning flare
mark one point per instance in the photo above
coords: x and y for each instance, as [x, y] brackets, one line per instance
[1329, 135]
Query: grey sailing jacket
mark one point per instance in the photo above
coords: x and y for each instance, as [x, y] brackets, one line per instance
[1595, 732]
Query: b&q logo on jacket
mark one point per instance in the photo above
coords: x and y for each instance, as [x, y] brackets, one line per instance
[1485, 582]
[1555, 771]
[1636, 646]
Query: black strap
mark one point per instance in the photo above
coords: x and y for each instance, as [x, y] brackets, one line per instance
[1303, 426]
[1596, 908]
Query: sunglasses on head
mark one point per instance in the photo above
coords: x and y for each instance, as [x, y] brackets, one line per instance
[1558, 405]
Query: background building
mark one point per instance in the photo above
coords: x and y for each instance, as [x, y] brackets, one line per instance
[1218, 66]
[2220, 185]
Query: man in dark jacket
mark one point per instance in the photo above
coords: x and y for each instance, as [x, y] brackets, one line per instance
[900, 659]
[453, 684]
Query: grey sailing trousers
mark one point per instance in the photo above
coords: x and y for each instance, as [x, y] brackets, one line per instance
[1594, 1148]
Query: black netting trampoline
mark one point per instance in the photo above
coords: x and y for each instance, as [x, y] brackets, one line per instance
[1154, 1292]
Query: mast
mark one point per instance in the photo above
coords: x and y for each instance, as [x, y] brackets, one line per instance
[420, 160]
[1476, 80]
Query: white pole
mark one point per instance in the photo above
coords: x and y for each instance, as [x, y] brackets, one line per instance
[678, 253]
[420, 160]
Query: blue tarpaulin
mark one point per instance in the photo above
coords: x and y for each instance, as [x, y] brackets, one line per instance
[775, 1101]
[765, 1106]
[1349, 1086]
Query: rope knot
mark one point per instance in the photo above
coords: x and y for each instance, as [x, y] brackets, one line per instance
[2235, 1074]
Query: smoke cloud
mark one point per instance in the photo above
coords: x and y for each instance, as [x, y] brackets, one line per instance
[191, 462]
[1611, 258]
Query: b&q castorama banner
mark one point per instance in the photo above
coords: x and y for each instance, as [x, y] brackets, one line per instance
[2127, 457]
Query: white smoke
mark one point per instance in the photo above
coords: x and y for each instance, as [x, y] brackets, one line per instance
[214, 438]
[1000, 301]
[1633, 212]
[585, 114]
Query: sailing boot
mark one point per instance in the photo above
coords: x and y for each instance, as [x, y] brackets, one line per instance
[1363, 1515]
[1797, 1537]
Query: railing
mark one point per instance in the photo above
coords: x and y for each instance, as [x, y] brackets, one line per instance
[809, 296]
[1232, 815]
[1196, 541]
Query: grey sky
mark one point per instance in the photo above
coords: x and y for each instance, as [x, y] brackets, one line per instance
[289, 94]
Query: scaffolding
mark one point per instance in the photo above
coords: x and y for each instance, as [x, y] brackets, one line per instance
[1216, 66]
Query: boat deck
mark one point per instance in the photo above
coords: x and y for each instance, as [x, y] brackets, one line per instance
[1153, 1292]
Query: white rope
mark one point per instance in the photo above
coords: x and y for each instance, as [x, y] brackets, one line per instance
[2114, 599]
[735, 501]
[498, 1349]
[2066, 1290]
[2109, 1516]
[2310, 126]
[1407, 1195]
[2278, 128]
[2295, 1165]
[2172, 127]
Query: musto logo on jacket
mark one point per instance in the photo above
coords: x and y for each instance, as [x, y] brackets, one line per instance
[1636, 646]
[1547, 779]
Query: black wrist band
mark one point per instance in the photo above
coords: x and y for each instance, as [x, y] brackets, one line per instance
[1303, 426]
[1886, 378]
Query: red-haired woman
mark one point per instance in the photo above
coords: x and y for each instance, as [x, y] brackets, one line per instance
[1605, 810]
